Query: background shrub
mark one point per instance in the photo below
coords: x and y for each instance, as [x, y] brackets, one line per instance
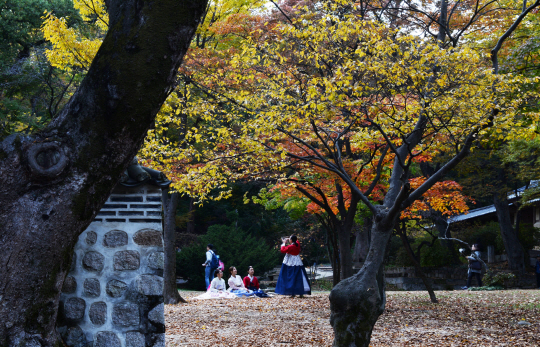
[499, 279]
[434, 256]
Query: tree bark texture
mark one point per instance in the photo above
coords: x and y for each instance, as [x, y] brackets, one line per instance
[170, 292]
[357, 302]
[514, 249]
[53, 183]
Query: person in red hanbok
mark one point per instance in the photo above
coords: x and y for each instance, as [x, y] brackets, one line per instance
[293, 278]
[250, 281]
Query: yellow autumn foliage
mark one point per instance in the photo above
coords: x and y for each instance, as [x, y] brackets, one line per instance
[71, 48]
[282, 101]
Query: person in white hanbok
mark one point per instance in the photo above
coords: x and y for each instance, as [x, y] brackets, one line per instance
[217, 289]
[236, 285]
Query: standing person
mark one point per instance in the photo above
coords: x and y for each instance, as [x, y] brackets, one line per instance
[475, 267]
[211, 264]
[537, 271]
[250, 281]
[293, 278]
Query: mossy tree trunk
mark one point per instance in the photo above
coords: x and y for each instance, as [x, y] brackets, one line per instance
[53, 183]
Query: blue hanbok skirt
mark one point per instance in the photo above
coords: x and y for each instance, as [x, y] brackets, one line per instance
[293, 278]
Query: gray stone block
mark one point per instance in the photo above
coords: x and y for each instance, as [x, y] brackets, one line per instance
[74, 337]
[70, 285]
[125, 314]
[126, 260]
[149, 284]
[74, 308]
[92, 288]
[91, 237]
[134, 339]
[157, 314]
[156, 260]
[115, 238]
[106, 339]
[98, 313]
[116, 288]
[93, 261]
[148, 237]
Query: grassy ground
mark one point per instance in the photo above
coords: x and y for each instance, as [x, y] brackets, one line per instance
[462, 318]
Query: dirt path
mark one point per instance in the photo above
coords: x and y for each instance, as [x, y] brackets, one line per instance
[461, 319]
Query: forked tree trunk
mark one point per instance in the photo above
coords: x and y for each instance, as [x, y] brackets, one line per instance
[514, 249]
[357, 302]
[53, 183]
[170, 292]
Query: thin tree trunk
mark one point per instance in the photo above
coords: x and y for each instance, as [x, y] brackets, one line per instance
[357, 302]
[344, 239]
[361, 246]
[417, 265]
[514, 249]
[170, 292]
[336, 266]
[356, 257]
[53, 183]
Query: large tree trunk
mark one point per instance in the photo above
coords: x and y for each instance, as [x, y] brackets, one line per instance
[357, 302]
[514, 249]
[170, 292]
[53, 183]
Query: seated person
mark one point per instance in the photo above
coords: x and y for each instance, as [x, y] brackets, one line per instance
[250, 281]
[217, 288]
[236, 286]
[218, 283]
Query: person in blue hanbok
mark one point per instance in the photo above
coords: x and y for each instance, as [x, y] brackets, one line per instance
[293, 278]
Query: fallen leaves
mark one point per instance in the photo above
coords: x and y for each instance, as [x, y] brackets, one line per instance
[461, 318]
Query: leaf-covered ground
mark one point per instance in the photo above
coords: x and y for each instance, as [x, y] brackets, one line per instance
[462, 318]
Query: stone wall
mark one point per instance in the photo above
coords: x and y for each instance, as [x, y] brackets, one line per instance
[113, 295]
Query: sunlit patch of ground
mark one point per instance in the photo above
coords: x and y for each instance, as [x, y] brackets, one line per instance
[462, 318]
